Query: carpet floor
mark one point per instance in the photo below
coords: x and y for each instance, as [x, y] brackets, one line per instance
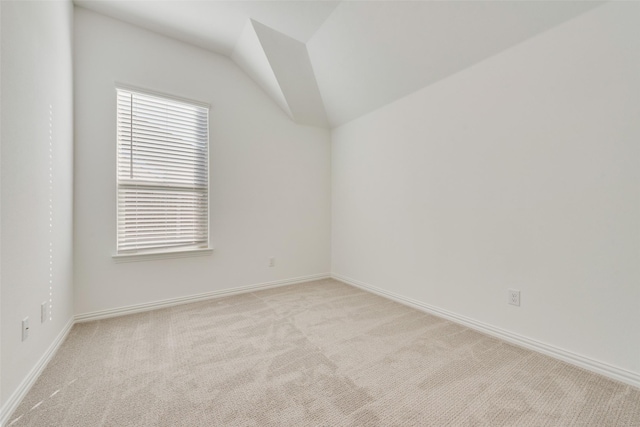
[314, 354]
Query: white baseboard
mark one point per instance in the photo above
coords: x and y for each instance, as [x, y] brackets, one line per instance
[613, 372]
[137, 308]
[17, 396]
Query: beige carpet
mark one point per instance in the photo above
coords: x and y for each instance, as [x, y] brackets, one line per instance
[315, 354]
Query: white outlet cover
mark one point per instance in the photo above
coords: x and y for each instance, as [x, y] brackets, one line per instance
[514, 297]
[25, 328]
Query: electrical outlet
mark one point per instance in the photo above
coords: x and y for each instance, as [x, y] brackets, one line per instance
[272, 262]
[514, 297]
[25, 328]
[43, 312]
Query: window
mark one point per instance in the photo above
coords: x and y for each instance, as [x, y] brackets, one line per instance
[163, 200]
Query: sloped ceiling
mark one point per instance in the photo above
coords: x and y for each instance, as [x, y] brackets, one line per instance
[326, 63]
[216, 25]
[368, 54]
[291, 64]
[252, 58]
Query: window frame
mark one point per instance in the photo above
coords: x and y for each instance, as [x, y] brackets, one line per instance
[170, 252]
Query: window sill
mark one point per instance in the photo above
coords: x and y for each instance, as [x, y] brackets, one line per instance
[148, 256]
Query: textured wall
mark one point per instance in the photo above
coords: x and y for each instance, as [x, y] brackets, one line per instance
[269, 178]
[519, 172]
[37, 174]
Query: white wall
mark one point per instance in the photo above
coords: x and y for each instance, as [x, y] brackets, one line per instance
[36, 114]
[1, 400]
[519, 172]
[269, 180]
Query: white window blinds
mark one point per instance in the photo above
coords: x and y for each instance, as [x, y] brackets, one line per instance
[162, 173]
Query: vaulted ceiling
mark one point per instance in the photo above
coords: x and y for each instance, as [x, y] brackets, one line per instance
[326, 63]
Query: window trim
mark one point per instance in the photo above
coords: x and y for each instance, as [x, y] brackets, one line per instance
[173, 252]
[161, 254]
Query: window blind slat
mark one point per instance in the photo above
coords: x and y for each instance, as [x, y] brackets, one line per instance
[159, 114]
[157, 170]
[157, 102]
[135, 183]
[167, 142]
[146, 124]
[165, 156]
[163, 104]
